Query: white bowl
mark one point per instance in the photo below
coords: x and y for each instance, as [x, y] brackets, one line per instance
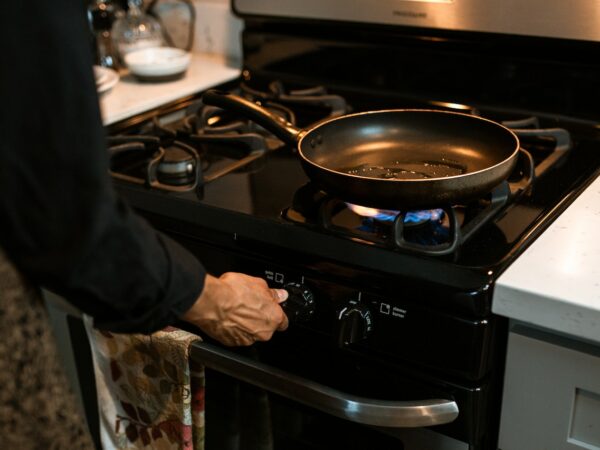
[158, 62]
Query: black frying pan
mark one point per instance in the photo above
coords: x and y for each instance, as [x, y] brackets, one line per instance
[395, 159]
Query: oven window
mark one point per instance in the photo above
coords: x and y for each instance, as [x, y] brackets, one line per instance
[242, 417]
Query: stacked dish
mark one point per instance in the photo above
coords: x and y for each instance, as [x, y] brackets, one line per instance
[105, 79]
[157, 63]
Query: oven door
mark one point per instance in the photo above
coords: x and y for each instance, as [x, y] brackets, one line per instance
[253, 405]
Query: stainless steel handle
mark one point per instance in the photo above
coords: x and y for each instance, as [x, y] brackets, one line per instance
[368, 411]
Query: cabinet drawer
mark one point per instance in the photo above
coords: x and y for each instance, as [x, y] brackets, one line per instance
[551, 397]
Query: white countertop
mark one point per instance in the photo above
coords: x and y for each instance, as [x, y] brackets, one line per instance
[129, 97]
[555, 283]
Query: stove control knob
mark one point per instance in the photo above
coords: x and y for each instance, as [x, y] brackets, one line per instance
[300, 304]
[355, 322]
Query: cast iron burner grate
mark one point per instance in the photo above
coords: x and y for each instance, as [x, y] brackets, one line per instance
[147, 160]
[216, 122]
[176, 160]
[302, 107]
[209, 142]
[313, 104]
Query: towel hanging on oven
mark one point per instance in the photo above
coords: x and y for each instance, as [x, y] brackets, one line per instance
[149, 392]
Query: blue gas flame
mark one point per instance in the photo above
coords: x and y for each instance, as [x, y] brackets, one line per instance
[386, 215]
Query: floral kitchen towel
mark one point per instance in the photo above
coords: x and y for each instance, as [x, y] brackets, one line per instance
[150, 395]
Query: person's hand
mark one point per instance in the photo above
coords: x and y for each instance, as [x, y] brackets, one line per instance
[238, 309]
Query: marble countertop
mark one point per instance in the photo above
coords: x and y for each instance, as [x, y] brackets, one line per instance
[555, 283]
[129, 97]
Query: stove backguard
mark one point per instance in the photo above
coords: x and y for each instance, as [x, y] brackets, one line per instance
[543, 18]
[534, 76]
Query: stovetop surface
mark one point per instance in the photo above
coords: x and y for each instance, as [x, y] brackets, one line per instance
[268, 188]
[270, 206]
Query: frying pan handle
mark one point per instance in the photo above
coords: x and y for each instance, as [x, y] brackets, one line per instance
[279, 126]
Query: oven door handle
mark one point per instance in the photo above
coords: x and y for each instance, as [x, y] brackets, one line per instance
[368, 411]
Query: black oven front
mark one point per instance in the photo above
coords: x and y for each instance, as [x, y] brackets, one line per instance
[417, 379]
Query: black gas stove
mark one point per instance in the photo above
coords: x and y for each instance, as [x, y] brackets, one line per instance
[387, 304]
[194, 153]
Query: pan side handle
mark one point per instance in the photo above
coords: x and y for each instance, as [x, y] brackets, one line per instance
[434, 250]
[277, 125]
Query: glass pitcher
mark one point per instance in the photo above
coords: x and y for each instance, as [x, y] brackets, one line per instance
[136, 30]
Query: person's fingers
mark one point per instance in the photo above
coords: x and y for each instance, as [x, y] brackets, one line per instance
[264, 335]
[279, 318]
[279, 295]
[283, 323]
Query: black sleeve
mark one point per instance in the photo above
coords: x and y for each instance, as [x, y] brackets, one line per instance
[60, 220]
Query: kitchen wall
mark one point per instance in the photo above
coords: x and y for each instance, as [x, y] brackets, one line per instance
[217, 29]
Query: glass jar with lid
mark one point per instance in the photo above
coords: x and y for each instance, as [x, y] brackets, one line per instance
[136, 30]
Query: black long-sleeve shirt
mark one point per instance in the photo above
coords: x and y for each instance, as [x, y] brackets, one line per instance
[60, 220]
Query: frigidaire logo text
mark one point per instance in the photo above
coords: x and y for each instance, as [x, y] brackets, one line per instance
[411, 14]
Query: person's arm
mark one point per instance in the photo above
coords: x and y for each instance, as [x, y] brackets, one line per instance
[60, 220]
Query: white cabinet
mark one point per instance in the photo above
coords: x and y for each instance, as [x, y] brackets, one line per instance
[551, 398]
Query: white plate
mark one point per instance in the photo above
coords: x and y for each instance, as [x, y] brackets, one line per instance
[106, 79]
[157, 61]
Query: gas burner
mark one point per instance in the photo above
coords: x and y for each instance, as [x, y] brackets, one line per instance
[149, 161]
[183, 165]
[435, 232]
[426, 228]
[177, 167]
[411, 218]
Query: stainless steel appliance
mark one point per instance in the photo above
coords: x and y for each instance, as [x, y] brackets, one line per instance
[577, 20]
[392, 343]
